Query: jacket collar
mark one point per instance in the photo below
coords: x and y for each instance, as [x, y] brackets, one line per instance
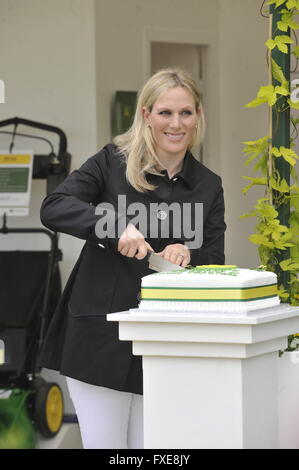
[190, 172]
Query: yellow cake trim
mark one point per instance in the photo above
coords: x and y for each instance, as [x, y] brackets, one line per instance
[148, 293]
[223, 266]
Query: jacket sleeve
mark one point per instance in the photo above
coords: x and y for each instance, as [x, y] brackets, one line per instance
[70, 208]
[212, 249]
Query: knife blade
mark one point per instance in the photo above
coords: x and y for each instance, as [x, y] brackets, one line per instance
[159, 264]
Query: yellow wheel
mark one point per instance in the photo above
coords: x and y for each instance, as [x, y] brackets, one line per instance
[54, 408]
[48, 409]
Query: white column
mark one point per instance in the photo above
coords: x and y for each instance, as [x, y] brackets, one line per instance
[210, 380]
[288, 390]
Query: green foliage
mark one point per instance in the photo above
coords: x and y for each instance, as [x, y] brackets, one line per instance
[288, 154]
[290, 4]
[278, 3]
[287, 21]
[268, 94]
[272, 237]
[295, 51]
[277, 73]
[16, 428]
[281, 42]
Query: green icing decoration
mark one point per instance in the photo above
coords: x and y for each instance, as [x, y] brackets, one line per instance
[225, 270]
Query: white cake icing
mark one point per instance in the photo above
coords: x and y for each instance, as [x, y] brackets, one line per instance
[209, 289]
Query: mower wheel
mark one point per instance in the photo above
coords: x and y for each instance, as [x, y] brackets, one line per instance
[48, 408]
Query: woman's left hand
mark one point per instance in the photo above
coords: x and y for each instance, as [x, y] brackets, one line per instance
[177, 254]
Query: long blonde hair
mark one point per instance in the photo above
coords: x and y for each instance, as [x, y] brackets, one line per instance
[137, 144]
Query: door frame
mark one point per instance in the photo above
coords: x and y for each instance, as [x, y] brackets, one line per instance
[211, 77]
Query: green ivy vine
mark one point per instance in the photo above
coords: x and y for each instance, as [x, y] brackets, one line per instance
[271, 236]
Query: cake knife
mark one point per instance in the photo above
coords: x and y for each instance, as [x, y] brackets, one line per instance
[159, 264]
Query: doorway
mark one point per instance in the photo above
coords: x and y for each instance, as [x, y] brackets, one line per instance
[187, 56]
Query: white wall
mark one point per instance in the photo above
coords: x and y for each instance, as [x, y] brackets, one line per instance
[47, 61]
[237, 68]
[62, 61]
[243, 33]
[123, 27]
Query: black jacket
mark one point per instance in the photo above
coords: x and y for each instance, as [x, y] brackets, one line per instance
[80, 342]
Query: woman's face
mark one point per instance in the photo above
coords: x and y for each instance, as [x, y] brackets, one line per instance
[172, 120]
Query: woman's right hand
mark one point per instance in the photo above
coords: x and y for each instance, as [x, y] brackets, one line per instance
[132, 243]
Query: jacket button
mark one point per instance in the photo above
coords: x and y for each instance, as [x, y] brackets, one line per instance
[139, 296]
[161, 215]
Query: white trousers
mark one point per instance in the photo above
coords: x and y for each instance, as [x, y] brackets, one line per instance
[108, 419]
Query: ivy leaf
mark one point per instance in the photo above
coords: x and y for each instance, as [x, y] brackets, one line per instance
[290, 160]
[283, 39]
[287, 21]
[281, 234]
[257, 102]
[280, 42]
[282, 246]
[295, 188]
[281, 90]
[289, 155]
[249, 214]
[261, 165]
[289, 265]
[281, 187]
[284, 187]
[275, 152]
[255, 149]
[258, 239]
[292, 4]
[266, 210]
[283, 48]
[270, 44]
[254, 181]
[265, 91]
[295, 51]
[276, 235]
[278, 74]
[283, 294]
[277, 2]
[288, 17]
[282, 26]
[272, 98]
[269, 93]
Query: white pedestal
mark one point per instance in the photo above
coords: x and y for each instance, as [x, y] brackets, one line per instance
[288, 398]
[210, 380]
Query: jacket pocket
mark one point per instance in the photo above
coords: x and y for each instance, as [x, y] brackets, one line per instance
[94, 286]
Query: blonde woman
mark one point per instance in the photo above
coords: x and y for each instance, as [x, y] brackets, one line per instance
[151, 171]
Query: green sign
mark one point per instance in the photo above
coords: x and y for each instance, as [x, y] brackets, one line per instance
[14, 180]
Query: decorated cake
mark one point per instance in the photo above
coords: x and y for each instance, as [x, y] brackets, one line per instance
[210, 288]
